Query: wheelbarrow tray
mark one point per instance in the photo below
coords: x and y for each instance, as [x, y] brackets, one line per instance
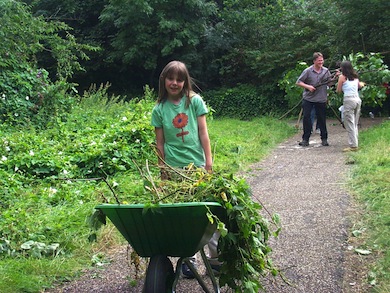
[178, 229]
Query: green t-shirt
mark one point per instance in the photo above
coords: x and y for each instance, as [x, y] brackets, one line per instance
[180, 126]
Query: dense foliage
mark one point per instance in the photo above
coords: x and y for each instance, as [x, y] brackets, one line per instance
[365, 26]
[243, 101]
[28, 92]
[101, 137]
[224, 43]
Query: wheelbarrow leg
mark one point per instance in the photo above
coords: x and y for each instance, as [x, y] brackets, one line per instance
[194, 271]
[210, 271]
[177, 274]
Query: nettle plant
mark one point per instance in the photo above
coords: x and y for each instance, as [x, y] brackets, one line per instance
[109, 135]
[100, 137]
[48, 174]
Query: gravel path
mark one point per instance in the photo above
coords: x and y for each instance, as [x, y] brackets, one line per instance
[306, 187]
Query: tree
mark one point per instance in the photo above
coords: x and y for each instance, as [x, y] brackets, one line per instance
[268, 37]
[151, 33]
[83, 17]
[364, 26]
[27, 89]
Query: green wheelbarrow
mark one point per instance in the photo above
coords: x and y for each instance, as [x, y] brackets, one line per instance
[176, 230]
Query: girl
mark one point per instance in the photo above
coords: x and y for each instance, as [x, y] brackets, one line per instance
[349, 84]
[179, 118]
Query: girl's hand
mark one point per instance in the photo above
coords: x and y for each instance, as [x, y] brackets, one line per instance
[209, 168]
[164, 175]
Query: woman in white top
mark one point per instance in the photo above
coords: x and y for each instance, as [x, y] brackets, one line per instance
[349, 84]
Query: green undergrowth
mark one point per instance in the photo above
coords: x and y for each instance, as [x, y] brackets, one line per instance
[371, 183]
[53, 178]
[33, 275]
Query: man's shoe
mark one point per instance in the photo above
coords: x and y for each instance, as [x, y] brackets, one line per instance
[325, 142]
[216, 269]
[350, 149]
[304, 143]
[187, 273]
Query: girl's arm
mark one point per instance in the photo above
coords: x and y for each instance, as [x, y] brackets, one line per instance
[205, 141]
[160, 144]
[361, 84]
[340, 82]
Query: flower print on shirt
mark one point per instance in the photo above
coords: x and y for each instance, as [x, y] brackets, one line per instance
[180, 121]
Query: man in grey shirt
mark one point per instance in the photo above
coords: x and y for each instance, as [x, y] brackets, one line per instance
[315, 80]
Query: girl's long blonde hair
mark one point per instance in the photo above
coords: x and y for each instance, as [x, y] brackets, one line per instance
[179, 68]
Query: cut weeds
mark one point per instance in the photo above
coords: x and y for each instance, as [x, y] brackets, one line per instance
[243, 245]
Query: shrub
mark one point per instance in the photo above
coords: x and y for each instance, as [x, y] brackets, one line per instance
[101, 136]
[244, 102]
[49, 176]
[27, 94]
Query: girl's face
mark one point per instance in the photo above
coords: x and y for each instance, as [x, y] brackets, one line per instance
[174, 86]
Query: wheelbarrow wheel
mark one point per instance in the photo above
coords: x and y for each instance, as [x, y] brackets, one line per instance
[159, 275]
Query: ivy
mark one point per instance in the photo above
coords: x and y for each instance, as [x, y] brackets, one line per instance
[244, 101]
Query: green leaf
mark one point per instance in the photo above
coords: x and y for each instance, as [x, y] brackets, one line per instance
[27, 245]
[357, 233]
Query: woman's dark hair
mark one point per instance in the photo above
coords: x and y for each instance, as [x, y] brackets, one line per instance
[348, 71]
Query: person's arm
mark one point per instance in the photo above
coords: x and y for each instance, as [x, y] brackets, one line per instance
[340, 82]
[160, 144]
[205, 141]
[333, 78]
[309, 87]
[361, 84]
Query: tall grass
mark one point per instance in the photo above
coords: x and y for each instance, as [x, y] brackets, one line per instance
[33, 275]
[236, 143]
[371, 183]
